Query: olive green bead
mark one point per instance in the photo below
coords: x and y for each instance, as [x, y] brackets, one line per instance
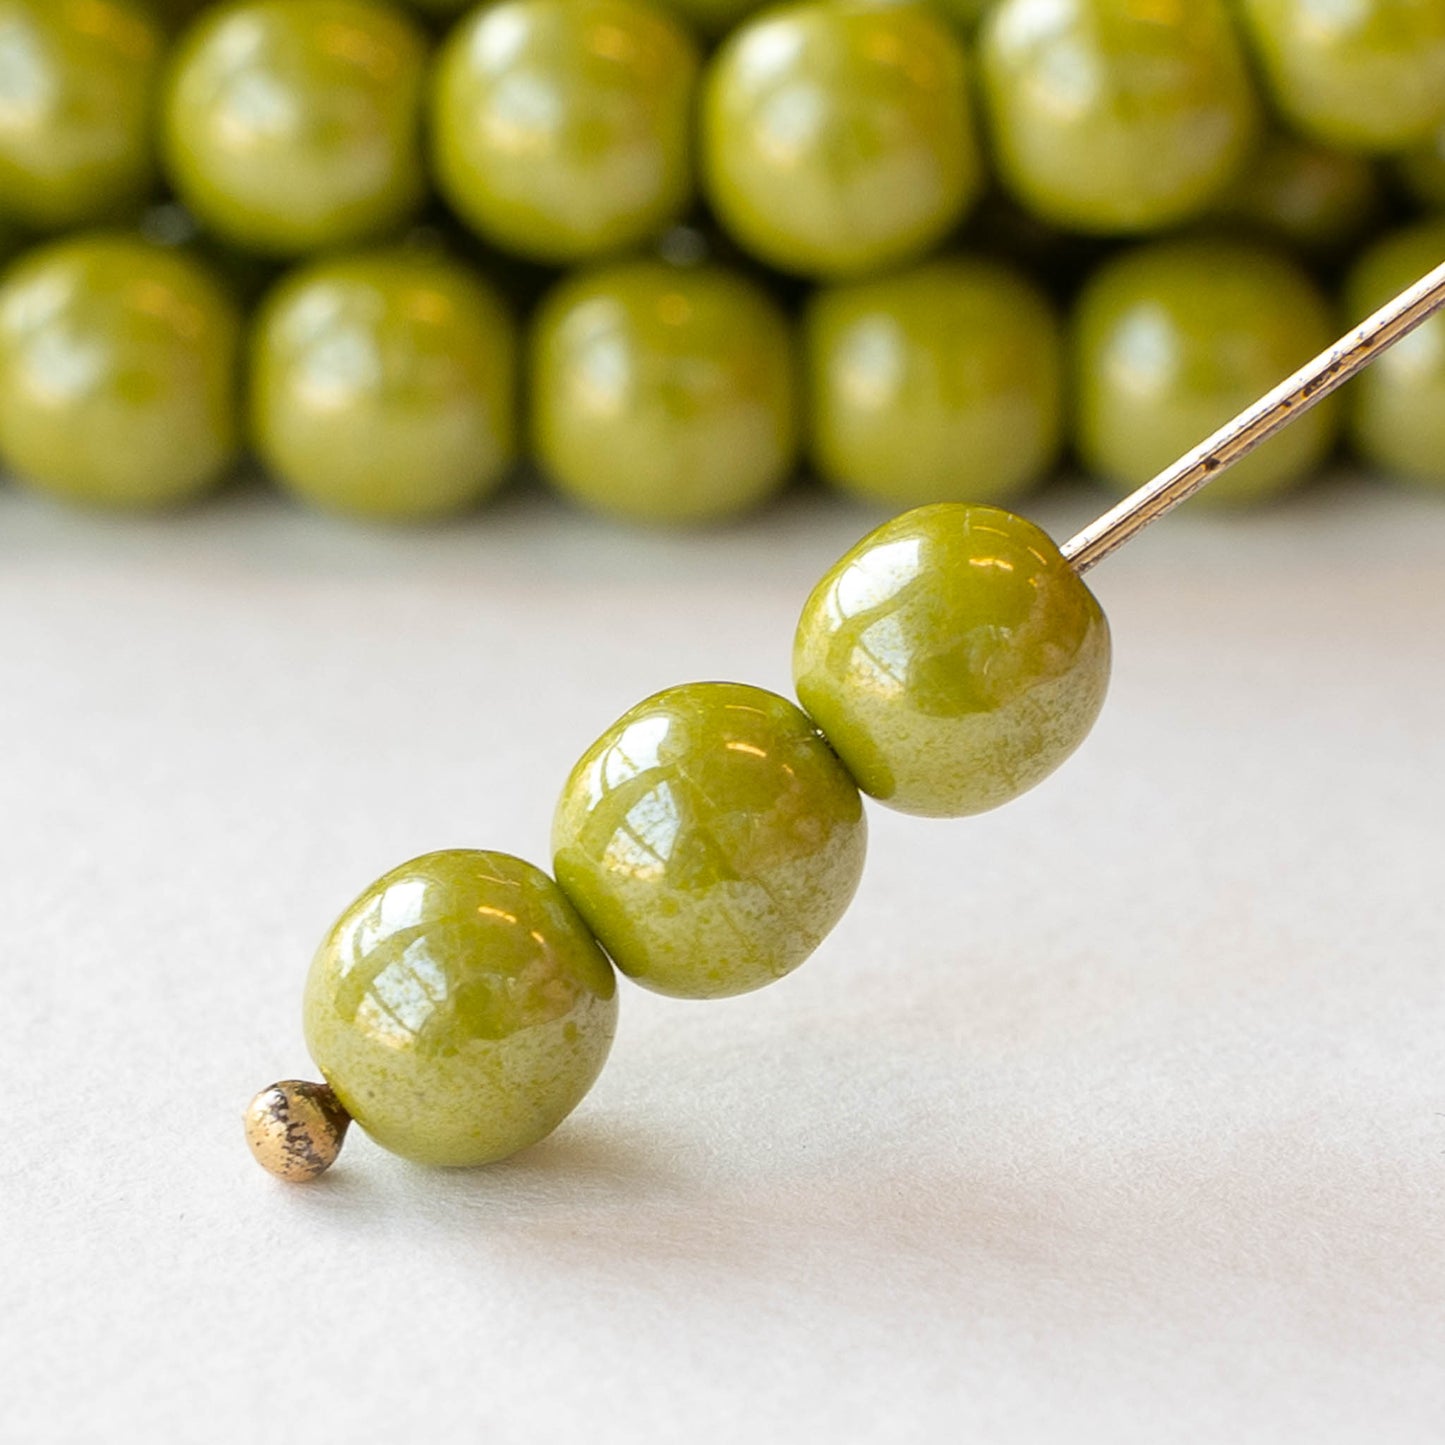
[661, 394]
[837, 137]
[459, 1008]
[943, 383]
[292, 125]
[1396, 407]
[77, 82]
[118, 372]
[953, 659]
[1317, 199]
[711, 839]
[1113, 116]
[1173, 340]
[1367, 75]
[561, 129]
[383, 385]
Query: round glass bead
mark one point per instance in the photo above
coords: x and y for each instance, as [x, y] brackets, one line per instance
[459, 1008]
[118, 372]
[837, 137]
[710, 838]
[943, 383]
[383, 386]
[1173, 340]
[953, 659]
[292, 125]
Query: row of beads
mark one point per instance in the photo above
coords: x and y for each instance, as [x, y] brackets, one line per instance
[383, 384]
[706, 843]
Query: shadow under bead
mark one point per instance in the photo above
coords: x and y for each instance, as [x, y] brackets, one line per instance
[296, 1129]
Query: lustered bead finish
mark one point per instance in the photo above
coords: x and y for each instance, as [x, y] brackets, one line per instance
[943, 383]
[836, 135]
[561, 129]
[459, 1008]
[1366, 75]
[953, 659]
[664, 395]
[1397, 406]
[1173, 340]
[1115, 116]
[383, 385]
[77, 81]
[292, 125]
[118, 372]
[711, 839]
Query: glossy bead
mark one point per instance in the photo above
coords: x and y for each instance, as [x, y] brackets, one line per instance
[295, 1129]
[77, 82]
[459, 1008]
[836, 135]
[711, 839]
[953, 659]
[289, 125]
[1115, 116]
[661, 394]
[1172, 340]
[1397, 406]
[1316, 199]
[1367, 75]
[118, 365]
[938, 384]
[561, 129]
[382, 385]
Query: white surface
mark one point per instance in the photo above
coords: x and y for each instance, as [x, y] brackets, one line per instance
[1117, 1115]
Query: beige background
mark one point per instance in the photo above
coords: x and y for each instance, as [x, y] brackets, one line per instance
[1118, 1115]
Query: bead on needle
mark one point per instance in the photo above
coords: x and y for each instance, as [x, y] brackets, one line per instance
[1257, 423]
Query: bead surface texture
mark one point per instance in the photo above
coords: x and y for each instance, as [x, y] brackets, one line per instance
[460, 1008]
[953, 659]
[296, 1129]
[711, 839]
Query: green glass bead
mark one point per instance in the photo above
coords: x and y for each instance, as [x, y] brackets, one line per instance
[1173, 340]
[77, 82]
[943, 383]
[662, 394]
[292, 125]
[118, 372]
[459, 1008]
[1397, 405]
[711, 839]
[1367, 75]
[953, 659]
[1113, 116]
[382, 385]
[836, 135]
[561, 129]
[1315, 198]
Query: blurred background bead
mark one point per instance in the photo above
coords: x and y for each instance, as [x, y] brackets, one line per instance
[460, 1008]
[383, 385]
[1173, 340]
[118, 372]
[943, 383]
[1367, 75]
[289, 125]
[953, 659]
[562, 129]
[1113, 116]
[836, 135]
[296, 1129]
[1397, 407]
[711, 839]
[662, 394]
[77, 92]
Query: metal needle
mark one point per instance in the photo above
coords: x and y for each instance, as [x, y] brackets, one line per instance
[1256, 424]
